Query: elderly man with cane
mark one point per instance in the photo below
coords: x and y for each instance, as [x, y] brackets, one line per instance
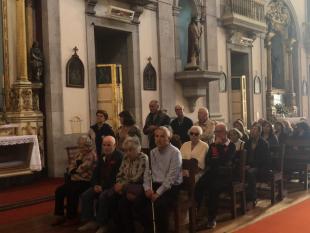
[162, 186]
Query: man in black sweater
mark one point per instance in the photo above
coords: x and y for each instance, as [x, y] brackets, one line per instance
[103, 179]
[216, 177]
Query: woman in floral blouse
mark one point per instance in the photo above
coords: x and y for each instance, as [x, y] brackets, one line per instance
[80, 171]
[129, 182]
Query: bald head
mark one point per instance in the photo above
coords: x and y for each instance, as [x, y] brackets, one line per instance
[203, 115]
[154, 106]
[108, 144]
[220, 132]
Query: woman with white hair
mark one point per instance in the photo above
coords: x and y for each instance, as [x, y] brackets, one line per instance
[129, 183]
[195, 148]
[235, 136]
[80, 172]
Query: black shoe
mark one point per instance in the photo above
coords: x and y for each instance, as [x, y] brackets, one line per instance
[211, 224]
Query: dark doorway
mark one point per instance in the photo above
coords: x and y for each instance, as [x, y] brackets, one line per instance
[111, 47]
[239, 86]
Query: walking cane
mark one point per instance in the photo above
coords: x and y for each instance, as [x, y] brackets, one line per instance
[152, 203]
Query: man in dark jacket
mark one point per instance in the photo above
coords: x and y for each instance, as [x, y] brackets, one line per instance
[217, 174]
[181, 124]
[153, 120]
[258, 161]
[103, 179]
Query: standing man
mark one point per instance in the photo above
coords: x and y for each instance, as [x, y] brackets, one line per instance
[161, 185]
[104, 179]
[99, 130]
[181, 124]
[153, 120]
[206, 124]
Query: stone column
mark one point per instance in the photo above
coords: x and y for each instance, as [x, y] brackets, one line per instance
[21, 48]
[212, 99]
[176, 13]
[166, 54]
[291, 95]
[269, 98]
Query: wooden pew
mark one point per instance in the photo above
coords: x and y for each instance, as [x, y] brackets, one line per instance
[297, 158]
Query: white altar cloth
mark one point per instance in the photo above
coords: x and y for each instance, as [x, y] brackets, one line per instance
[35, 160]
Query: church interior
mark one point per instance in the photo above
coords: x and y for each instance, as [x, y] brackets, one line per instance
[154, 116]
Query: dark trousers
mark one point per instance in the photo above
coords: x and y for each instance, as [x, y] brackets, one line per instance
[71, 191]
[212, 184]
[162, 209]
[251, 176]
[128, 212]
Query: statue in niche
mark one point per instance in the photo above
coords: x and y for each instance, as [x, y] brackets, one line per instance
[194, 34]
[36, 62]
[277, 62]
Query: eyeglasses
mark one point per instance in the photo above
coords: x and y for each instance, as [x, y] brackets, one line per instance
[194, 134]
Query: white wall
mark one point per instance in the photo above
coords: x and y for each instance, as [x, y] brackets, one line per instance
[73, 33]
[222, 61]
[148, 48]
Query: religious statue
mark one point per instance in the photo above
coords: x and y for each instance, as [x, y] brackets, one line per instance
[36, 62]
[194, 34]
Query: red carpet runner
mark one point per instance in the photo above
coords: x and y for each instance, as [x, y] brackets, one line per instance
[39, 189]
[291, 220]
[29, 194]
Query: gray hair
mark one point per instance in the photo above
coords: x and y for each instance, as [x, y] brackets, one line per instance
[166, 130]
[196, 127]
[86, 139]
[132, 142]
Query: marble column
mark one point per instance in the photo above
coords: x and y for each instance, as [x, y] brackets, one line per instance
[269, 97]
[291, 95]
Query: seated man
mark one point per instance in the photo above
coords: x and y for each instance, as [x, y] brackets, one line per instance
[80, 172]
[103, 179]
[161, 181]
[258, 161]
[215, 179]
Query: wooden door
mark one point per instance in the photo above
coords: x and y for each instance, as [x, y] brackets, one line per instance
[110, 91]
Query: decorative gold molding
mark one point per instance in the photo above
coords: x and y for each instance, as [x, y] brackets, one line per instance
[6, 74]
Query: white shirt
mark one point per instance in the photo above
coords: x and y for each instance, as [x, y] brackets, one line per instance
[199, 152]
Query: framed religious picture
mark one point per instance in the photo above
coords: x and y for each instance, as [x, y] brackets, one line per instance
[75, 71]
[222, 82]
[304, 88]
[257, 85]
[149, 77]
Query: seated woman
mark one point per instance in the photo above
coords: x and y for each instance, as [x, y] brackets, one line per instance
[129, 184]
[280, 132]
[195, 148]
[302, 130]
[235, 136]
[268, 134]
[240, 126]
[257, 162]
[80, 173]
[128, 128]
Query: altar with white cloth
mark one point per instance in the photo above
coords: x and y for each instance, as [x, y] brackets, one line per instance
[19, 155]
